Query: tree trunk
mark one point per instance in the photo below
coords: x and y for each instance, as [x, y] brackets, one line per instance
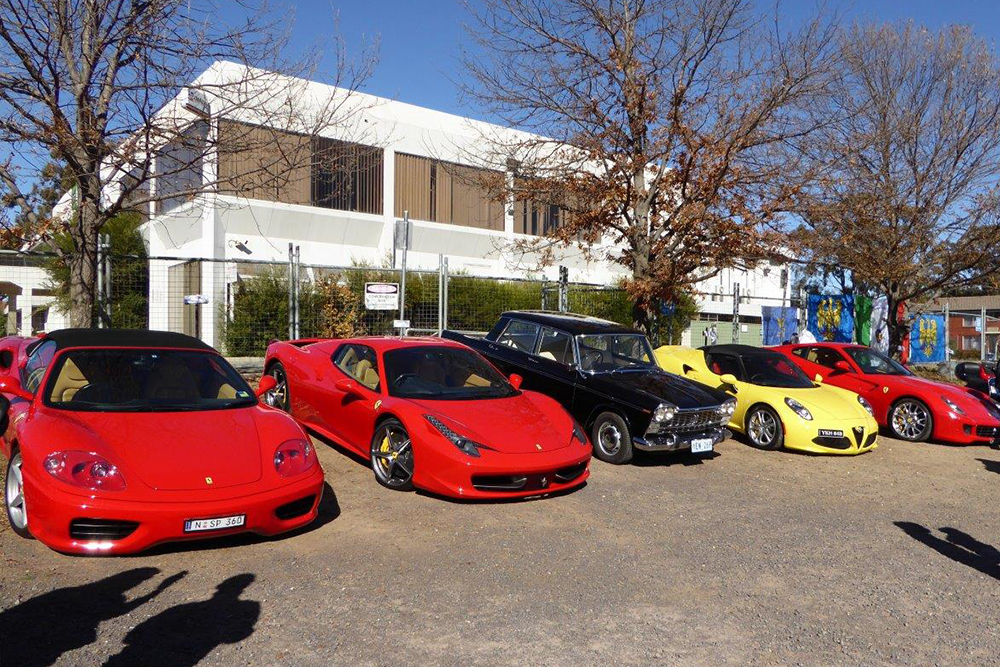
[83, 268]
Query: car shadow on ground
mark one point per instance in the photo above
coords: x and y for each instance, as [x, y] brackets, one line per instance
[333, 444]
[38, 631]
[991, 465]
[958, 546]
[495, 501]
[328, 510]
[667, 459]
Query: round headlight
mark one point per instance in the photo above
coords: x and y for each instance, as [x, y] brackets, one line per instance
[664, 412]
[728, 408]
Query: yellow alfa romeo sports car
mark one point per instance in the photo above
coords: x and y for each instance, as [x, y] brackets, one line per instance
[777, 405]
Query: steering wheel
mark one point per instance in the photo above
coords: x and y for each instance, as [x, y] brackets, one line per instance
[404, 377]
[589, 358]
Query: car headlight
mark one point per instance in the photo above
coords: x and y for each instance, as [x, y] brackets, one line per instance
[86, 469]
[664, 412]
[798, 409]
[294, 457]
[578, 433]
[953, 406]
[467, 445]
[866, 405]
[727, 409]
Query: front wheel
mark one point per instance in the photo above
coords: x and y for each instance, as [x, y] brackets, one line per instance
[611, 438]
[279, 396]
[17, 513]
[764, 428]
[911, 420]
[392, 456]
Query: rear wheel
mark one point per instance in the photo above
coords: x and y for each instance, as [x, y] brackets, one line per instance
[911, 420]
[611, 438]
[17, 513]
[279, 396]
[764, 428]
[392, 456]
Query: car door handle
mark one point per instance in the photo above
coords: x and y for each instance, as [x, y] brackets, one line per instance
[532, 360]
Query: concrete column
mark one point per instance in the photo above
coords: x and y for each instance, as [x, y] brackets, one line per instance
[24, 304]
[388, 204]
[213, 247]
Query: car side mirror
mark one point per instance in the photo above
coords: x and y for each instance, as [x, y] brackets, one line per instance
[267, 383]
[842, 366]
[9, 384]
[818, 379]
[516, 380]
[347, 386]
[730, 379]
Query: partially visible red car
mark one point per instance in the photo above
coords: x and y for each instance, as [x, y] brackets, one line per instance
[431, 414]
[911, 407]
[119, 440]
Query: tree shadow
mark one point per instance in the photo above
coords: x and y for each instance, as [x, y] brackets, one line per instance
[991, 465]
[184, 634]
[328, 510]
[959, 546]
[36, 632]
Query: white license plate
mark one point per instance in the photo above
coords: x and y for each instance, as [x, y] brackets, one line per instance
[219, 523]
[702, 445]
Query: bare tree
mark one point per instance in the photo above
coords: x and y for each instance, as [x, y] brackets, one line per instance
[659, 126]
[130, 97]
[906, 196]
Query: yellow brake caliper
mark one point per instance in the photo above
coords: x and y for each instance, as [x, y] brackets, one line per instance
[384, 447]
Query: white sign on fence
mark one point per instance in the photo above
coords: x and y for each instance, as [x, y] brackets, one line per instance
[382, 296]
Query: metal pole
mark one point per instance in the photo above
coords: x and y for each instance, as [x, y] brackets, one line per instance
[107, 277]
[402, 278]
[947, 331]
[445, 316]
[100, 282]
[440, 292]
[291, 292]
[563, 289]
[982, 334]
[297, 283]
[736, 313]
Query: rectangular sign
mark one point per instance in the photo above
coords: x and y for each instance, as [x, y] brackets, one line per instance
[382, 296]
[401, 324]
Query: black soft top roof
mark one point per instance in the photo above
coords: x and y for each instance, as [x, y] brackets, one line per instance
[740, 350]
[124, 338]
[571, 323]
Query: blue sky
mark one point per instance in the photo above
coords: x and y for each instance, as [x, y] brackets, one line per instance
[421, 40]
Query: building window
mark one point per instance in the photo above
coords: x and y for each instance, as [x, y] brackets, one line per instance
[439, 191]
[264, 163]
[968, 321]
[971, 342]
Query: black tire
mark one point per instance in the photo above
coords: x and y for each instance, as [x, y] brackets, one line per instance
[763, 428]
[279, 397]
[911, 420]
[18, 523]
[611, 438]
[392, 456]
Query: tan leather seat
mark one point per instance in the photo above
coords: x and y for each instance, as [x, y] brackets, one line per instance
[71, 380]
[366, 374]
[476, 381]
[226, 391]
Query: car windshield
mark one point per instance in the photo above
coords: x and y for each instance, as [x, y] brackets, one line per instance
[605, 353]
[442, 372]
[774, 370]
[137, 380]
[875, 363]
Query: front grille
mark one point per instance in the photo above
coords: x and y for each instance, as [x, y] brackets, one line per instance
[296, 508]
[987, 431]
[691, 420]
[499, 482]
[571, 473]
[101, 529]
[832, 443]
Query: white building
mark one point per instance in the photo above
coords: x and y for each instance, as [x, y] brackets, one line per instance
[403, 158]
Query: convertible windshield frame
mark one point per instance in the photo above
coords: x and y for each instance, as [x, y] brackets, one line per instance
[245, 396]
[892, 363]
[651, 365]
[392, 358]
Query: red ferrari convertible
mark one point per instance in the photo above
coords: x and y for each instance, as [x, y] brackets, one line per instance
[911, 407]
[118, 440]
[430, 413]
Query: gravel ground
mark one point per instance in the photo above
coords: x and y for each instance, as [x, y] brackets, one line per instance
[747, 558]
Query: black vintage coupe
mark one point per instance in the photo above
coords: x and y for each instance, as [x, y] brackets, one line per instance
[605, 375]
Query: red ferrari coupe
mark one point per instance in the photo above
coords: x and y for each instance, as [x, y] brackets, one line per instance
[118, 440]
[911, 407]
[430, 413]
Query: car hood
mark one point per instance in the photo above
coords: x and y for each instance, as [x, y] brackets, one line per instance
[524, 424]
[658, 386]
[825, 401]
[172, 451]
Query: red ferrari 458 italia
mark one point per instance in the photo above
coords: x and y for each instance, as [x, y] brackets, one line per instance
[118, 440]
[430, 413]
[911, 407]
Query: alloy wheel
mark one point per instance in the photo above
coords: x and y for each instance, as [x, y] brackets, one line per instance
[392, 456]
[15, 495]
[909, 420]
[762, 428]
[278, 397]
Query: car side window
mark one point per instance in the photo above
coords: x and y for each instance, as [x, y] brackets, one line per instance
[520, 336]
[824, 356]
[360, 362]
[721, 364]
[34, 367]
[556, 346]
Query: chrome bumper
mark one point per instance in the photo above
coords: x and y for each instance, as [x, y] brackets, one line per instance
[669, 442]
